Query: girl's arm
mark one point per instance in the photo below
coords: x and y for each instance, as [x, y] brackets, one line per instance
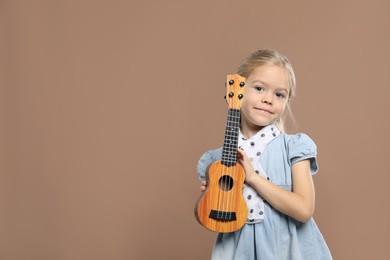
[299, 203]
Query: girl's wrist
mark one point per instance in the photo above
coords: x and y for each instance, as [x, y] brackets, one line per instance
[251, 178]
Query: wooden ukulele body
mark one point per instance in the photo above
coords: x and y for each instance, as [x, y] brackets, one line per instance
[222, 207]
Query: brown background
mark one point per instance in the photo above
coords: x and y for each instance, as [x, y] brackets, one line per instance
[106, 107]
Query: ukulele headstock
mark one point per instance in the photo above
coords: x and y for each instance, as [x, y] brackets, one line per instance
[235, 90]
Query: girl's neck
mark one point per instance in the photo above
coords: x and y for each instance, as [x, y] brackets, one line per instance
[249, 130]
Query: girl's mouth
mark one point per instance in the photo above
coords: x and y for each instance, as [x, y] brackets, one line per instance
[264, 110]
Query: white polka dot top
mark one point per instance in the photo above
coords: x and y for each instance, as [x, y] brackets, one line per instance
[254, 148]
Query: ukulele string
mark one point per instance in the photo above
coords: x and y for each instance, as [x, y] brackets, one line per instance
[222, 207]
[234, 157]
[232, 168]
[231, 161]
[225, 177]
[234, 120]
[227, 180]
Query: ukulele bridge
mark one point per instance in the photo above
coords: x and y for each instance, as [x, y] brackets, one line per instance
[222, 215]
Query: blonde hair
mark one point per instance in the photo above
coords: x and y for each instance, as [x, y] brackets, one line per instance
[271, 57]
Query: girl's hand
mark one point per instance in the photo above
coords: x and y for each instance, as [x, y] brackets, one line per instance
[246, 164]
[203, 185]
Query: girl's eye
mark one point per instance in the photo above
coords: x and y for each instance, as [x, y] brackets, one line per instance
[259, 88]
[280, 95]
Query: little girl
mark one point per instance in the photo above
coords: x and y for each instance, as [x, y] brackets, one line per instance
[279, 189]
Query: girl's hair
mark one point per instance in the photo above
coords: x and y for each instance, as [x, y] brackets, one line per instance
[271, 57]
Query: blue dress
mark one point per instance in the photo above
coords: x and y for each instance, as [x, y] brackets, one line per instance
[278, 236]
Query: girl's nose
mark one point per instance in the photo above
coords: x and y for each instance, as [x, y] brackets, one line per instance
[266, 99]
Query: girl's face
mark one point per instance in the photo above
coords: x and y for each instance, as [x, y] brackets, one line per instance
[265, 98]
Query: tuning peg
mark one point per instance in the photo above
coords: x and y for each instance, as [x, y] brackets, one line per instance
[224, 97]
[242, 83]
[231, 94]
[240, 96]
[231, 82]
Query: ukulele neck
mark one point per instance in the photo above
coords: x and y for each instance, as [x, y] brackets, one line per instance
[230, 144]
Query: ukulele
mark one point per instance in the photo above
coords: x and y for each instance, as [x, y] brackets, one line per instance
[222, 207]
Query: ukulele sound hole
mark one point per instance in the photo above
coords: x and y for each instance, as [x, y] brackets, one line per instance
[226, 183]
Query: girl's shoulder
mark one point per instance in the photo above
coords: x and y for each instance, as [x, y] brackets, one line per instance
[298, 141]
[298, 147]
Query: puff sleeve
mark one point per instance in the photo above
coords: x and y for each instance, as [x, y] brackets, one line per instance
[205, 160]
[302, 147]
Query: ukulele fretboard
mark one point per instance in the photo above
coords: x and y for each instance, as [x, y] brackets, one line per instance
[229, 151]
